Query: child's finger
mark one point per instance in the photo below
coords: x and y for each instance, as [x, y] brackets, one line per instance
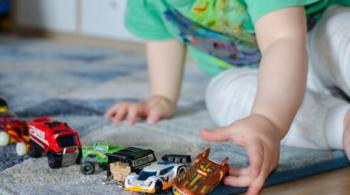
[241, 181]
[217, 135]
[153, 116]
[132, 114]
[111, 111]
[256, 186]
[259, 182]
[256, 157]
[143, 110]
[120, 115]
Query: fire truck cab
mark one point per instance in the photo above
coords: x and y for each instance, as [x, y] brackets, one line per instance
[56, 139]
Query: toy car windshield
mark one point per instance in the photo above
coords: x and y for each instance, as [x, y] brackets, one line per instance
[101, 147]
[66, 141]
[177, 158]
[145, 175]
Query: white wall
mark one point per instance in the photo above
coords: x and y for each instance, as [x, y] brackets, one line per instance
[53, 15]
[98, 18]
[104, 18]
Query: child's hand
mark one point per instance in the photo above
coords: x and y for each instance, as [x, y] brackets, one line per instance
[258, 135]
[153, 110]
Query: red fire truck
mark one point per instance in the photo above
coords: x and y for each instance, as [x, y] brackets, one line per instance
[56, 139]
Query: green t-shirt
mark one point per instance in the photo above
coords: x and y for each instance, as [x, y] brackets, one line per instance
[219, 34]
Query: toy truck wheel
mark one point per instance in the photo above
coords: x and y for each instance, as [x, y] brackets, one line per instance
[158, 187]
[87, 168]
[35, 151]
[21, 149]
[4, 138]
[54, 160]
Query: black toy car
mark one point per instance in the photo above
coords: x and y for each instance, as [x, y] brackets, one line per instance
[136, 158]
[177, 158]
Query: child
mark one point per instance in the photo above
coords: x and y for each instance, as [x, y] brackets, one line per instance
[254, 108]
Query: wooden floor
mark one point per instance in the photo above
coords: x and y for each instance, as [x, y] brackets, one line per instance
[331, 183]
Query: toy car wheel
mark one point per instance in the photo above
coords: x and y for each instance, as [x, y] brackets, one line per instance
[87, 168]
[181, 170]
[35, 151]
[21, 149]
[4, 138]
[54, 160]
[175, 191]
[158, 187]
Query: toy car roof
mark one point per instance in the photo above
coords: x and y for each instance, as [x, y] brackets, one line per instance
[3, 102]
[50, 125]
[156, 166]
[131, 153]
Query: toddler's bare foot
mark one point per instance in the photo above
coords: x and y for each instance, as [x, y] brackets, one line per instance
[346, 134]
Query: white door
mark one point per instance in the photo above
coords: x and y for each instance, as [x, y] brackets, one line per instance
[52, 15]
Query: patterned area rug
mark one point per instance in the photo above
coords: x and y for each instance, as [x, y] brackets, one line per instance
[76, 84]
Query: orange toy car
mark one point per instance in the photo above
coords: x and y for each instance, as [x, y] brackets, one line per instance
[202, 177]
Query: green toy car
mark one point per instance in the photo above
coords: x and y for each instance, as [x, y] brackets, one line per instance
[96, 154]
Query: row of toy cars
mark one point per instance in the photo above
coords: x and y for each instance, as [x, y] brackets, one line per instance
[132, 168]
[40, 136]
[199, 178]
[136, 169]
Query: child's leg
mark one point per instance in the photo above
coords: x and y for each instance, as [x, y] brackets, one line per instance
[329, 51]
[230, 95]
[318, 124]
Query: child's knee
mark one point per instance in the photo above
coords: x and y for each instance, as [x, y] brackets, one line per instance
[230, 95]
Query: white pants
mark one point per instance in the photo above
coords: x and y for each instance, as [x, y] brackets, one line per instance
[319, 121]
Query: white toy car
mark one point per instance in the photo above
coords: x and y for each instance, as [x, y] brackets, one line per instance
[154, 178]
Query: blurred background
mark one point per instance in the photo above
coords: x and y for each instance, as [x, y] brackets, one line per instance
[98, 21]
[5, 15]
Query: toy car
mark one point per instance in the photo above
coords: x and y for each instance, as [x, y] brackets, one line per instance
[177, 158]
[5, 115]
[56, 139]
[96, 154]
[3, 106]
[127, 160]
[202, 177]
[15, 131]
[136, 158]
[155, 178]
